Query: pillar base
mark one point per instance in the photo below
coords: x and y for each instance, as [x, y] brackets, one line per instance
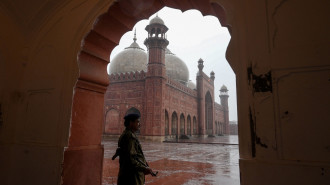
[83, 165]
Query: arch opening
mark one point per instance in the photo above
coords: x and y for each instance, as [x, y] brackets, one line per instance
[174, 124]
[112, 122]
[189, 125]
[195, 126]
[182, 125]
[167, 124]
[208, 113]
[108, 41]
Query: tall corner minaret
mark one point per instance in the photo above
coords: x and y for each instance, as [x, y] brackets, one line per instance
[224, 102]
[200, 98]
[212, 76]
[156, 43]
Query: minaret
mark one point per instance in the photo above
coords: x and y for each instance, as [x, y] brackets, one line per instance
[224, 102]
[212, 76]
[200, 98]
[156, 44]
[134, 35]
[155, 78]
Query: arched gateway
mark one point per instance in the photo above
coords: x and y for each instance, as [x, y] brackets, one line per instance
[46, 112]
[93, 80]
[182, 94]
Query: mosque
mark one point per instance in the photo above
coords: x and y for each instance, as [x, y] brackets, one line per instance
[53, 78]
[156, 85]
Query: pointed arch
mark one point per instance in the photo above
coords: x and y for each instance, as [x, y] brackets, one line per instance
[174, 123]
[167, 124]
[195, 131]
[208, 113]
[182, 124]
[112, 122]
[93, 79]
[215, 127]
[189, 125]
[221, 128]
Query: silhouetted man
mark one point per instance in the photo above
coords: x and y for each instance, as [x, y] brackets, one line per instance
[132, 164]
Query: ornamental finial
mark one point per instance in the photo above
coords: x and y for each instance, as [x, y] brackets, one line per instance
[134, 35]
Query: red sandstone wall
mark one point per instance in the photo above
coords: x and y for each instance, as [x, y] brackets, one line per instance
[204, 84]
[219, 118]
[181, 102]
[218, 112]
[122, 96]
[128, 90]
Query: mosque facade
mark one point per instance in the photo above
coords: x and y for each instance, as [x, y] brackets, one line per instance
[155, 84]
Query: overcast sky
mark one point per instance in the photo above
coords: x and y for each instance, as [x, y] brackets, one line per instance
[191, 37]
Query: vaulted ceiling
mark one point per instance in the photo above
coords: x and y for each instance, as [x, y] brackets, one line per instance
[31, 18]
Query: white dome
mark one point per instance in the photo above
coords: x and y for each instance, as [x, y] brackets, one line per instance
[191, 85]
[223, 88]
[176, 68]
[156, 20]
[133, 58]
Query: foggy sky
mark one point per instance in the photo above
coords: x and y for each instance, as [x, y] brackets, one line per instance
[191, 37]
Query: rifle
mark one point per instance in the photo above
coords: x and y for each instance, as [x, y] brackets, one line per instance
[145, 165]
[154, 174]
[116, 154]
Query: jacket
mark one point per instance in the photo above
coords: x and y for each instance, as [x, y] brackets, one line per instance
[132, 163]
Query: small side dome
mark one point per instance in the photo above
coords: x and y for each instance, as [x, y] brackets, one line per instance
[191, 85]
[133, 58]
[129, 60]
[175, 68]
[156, 20]
[223, 88]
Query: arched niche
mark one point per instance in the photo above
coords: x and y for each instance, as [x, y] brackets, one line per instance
[182, 125]
[174, 124]
[195, 130]
[167, 124]
[208, 113]
[189, 125]
[112, 122]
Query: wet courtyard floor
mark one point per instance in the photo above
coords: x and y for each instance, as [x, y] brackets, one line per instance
[209, 161]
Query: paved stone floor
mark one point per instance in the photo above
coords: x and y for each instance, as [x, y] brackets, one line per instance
[209, 161]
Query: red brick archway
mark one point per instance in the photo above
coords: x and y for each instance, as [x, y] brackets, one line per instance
[83, 157]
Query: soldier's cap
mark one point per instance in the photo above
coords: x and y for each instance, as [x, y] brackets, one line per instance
[132, 116]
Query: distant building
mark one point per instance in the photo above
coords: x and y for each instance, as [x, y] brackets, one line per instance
[233, 128]
[156, 85]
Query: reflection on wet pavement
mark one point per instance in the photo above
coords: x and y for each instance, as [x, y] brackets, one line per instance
[183, 163]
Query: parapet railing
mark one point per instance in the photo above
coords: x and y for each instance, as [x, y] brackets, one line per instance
[129, 76]
[181, 87]
[218, 106]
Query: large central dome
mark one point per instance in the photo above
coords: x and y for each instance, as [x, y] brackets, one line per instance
[134, 58]
[176, 68]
